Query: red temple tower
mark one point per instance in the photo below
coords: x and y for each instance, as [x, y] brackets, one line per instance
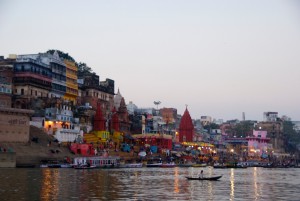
[186, 128]
[123, 117]
[115, 120]
[99, 121]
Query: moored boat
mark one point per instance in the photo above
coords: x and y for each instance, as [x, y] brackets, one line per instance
[98, 161]
[131, 165]
[54, 164]
[155, 162]
[85, 166]
[199, 165]
[158, 164]
[168, 165]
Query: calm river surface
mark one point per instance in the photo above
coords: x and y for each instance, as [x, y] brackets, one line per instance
[148, 184]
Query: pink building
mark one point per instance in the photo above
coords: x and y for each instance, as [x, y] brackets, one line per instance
[258, 144]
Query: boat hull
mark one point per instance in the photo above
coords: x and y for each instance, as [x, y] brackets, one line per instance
[204, 178]
[131, 165]
[154, 165]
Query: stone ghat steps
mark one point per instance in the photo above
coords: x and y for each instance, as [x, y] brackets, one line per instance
[33, 152]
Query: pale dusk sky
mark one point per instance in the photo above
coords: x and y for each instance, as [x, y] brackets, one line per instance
[221, 58]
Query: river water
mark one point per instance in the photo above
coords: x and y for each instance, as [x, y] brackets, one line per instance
[47, 184]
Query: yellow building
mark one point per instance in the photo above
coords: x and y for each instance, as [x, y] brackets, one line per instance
[71, 81]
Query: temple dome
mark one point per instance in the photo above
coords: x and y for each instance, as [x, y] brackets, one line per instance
[117, 100]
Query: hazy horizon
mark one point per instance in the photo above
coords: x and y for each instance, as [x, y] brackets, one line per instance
[221, 58]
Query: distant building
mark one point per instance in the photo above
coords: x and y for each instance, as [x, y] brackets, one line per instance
[169, 115]
[270, 116]
[296, 125]
[131, 107]
[218, 121]
[205, 120]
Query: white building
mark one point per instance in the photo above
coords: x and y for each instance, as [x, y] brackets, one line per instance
[270, 116]
[131, 107]
[205, 120]
[61, 124]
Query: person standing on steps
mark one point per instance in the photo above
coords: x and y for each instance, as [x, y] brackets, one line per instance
[201, 174]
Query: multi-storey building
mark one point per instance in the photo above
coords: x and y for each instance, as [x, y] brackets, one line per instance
[58, 68]
[131, 107]
[274, 132]
[59, 121]
[32, 79]
[270, 116]
[205, 120]
[71, 81]
[6, 76]
[14, 123]
[92, 91]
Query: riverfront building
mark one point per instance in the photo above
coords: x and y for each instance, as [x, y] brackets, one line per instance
[6, 76]
[58, 67]
[32, 79]
[92, 91]
[71, 81]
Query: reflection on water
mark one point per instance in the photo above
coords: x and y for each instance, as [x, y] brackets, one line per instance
[148, 184]
[231, 184]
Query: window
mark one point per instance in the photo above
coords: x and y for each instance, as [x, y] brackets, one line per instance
[22, 91]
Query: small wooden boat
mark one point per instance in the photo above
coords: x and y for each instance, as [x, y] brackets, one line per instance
[204, 178]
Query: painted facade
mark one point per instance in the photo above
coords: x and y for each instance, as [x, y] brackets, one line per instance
[60, 123]
[71, 81]
[58, 68]
[6, 76]
[258, 144]
[32, 79]
[14, 124]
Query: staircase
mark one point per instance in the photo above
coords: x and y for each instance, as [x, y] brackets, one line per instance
[32, 153]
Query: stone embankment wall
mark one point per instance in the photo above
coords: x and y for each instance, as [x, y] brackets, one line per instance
[7, 159]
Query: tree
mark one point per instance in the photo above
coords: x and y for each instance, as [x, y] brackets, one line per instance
[62, 55]
[243, 129]
[292, 138]
[211, 126]
[82, 67]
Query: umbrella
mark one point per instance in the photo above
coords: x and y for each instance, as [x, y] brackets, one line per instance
[142, 153]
